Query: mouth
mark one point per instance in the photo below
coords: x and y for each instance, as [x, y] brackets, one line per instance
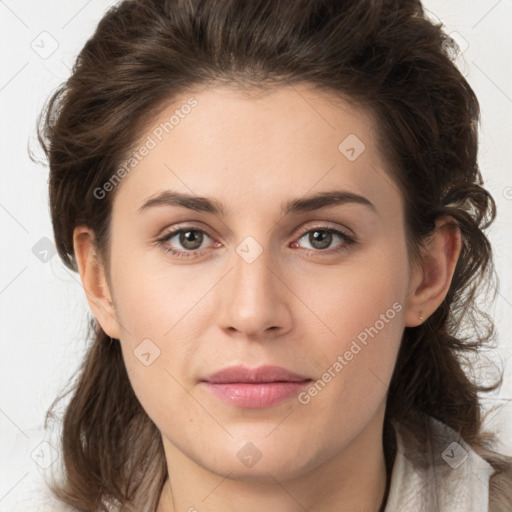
[255, 388]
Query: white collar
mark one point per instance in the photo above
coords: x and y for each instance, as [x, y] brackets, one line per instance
[447, 476]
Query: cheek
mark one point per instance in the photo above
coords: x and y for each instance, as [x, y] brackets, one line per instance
[362, 310]
[366, 293]
[151, 301]
[161, 318]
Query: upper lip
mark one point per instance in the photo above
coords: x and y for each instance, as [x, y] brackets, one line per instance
[243, 374]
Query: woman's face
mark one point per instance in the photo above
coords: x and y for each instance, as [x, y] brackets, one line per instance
[319, 289]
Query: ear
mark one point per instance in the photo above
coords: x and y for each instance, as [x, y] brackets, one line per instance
[431, 280]
[94, 281]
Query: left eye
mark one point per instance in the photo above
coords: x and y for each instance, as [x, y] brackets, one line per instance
[321, 238]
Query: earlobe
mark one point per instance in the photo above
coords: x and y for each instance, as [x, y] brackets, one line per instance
[430, 282]
[94, 281]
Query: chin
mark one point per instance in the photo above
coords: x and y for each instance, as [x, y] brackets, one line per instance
[261, 472]
[262, 462]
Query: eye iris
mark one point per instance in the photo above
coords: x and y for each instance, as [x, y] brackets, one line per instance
[324, 237]
[185, 240]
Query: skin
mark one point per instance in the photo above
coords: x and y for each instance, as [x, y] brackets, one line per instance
[287, 307]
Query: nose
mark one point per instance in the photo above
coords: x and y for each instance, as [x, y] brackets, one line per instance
[255, 295]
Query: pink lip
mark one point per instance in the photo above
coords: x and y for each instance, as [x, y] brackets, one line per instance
[255, 388]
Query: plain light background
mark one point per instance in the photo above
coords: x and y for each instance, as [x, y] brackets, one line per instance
[42, 305]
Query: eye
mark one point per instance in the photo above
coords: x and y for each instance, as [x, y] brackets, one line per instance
[321, 238]
[190, 238]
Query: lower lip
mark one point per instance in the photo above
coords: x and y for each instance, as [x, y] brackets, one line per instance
[255, 396]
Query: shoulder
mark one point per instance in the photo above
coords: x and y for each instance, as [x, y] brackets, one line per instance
[440, 472]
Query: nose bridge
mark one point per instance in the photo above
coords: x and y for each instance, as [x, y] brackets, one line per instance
[253, 265]
[253, 295]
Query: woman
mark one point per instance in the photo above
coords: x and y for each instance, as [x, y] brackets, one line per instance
[277, 216]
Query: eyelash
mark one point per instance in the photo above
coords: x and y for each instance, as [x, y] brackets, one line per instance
[347, 241]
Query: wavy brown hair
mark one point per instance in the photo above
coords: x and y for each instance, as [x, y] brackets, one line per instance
[386, 56]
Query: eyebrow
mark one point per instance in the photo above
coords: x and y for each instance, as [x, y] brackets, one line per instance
[211, 205]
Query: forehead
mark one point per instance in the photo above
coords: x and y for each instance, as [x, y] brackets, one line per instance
[257, 146]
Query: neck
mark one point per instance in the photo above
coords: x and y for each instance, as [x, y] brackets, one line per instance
[353, 479]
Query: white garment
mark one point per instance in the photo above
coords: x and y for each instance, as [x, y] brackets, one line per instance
[449, 476]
